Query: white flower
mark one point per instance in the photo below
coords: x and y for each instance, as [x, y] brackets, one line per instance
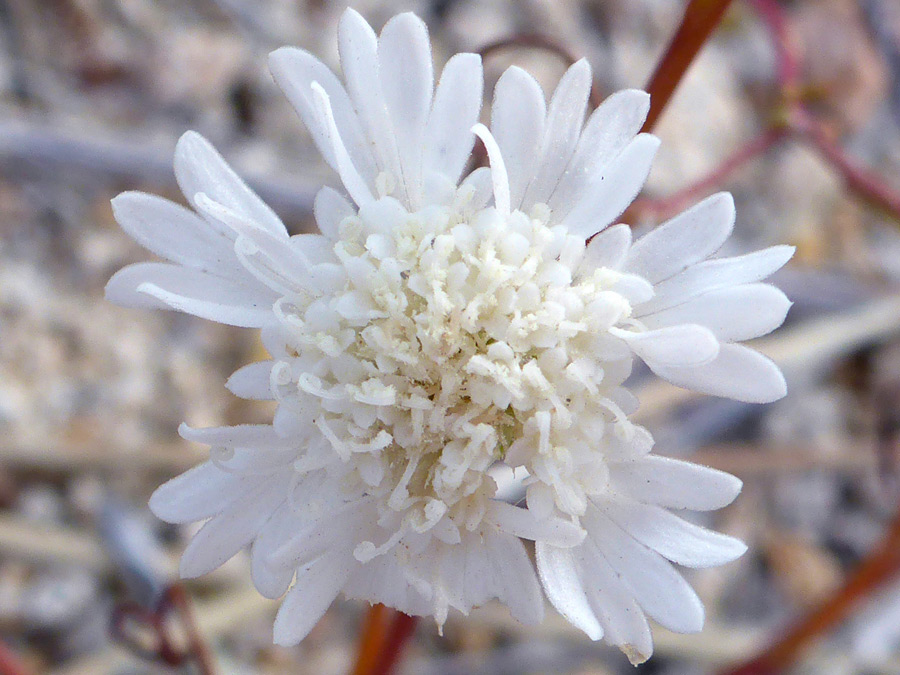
[437, 331]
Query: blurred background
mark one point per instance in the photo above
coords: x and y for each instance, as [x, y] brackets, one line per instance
[94, 94]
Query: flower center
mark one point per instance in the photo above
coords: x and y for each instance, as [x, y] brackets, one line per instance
[461, 337]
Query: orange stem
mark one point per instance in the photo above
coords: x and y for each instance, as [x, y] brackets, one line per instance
[374, 632]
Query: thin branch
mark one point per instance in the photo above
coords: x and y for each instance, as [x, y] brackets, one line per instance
[872, 573]
[867, 184]
[784, 41]
[700, 19]
[667, 206]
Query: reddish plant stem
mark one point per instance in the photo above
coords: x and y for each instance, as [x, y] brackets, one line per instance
[401, 630]
[786, 52]
[700, 18]
[668, 206]
[10, 663]
[199, 649]
[374, 632]
[879, 567]
[864, 182]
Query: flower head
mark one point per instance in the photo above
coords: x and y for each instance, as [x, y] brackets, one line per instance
[440, 331]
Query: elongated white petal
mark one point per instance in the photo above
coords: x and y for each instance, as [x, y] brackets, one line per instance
[738, 372]
[317, 585]
[688, 238]
[670, 536]
[330, 208]
[613, 188]
[624, 623]
[407, 82]
[499, 176]
[358, 46]
[674, 484]
[226, 533]
[252, 382]
[164, 286]
[610, 128]
[345, 163]
[565, 118]
[457, 103]
[607, 249]
[562, 583]
[517, 586]
[713, 274]
[174, 232]
[273, 582]
[517, 122]
[522, 523]
[198, 493]
[683, 345]
[733, 313]
[199, 168]
[295, 71]
[660, 591]
[240, 436]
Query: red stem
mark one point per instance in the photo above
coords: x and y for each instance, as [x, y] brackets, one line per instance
[700, 18]
[864, 182]
[10, 663]
[402, 628]
[675, 203]
[786, 53]
[879, 567]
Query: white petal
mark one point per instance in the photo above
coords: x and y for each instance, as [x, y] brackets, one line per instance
[346, 162]
[499, 175]
[358, 47]
[738, 373]
[316, 588]
[523, 523]
[670, 536]
[674, 484]
[199, 168]
[562, 583]
[712, 274]
[610, 191]
[273, 582]
[565, 118]
[660, 591]
[733, 314]
[623, 621]
[164, 286]
[174, 232]
[330, 208]
[682, 345]
[686, 239]
[223, 536]
[252, 382]
[517, 586]
[407, 82]
[295, 71]
[198, 493]
[457, 103]
[517, 122]
[480, 182]
[610, 128]
[607, 249]
[240, 436]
